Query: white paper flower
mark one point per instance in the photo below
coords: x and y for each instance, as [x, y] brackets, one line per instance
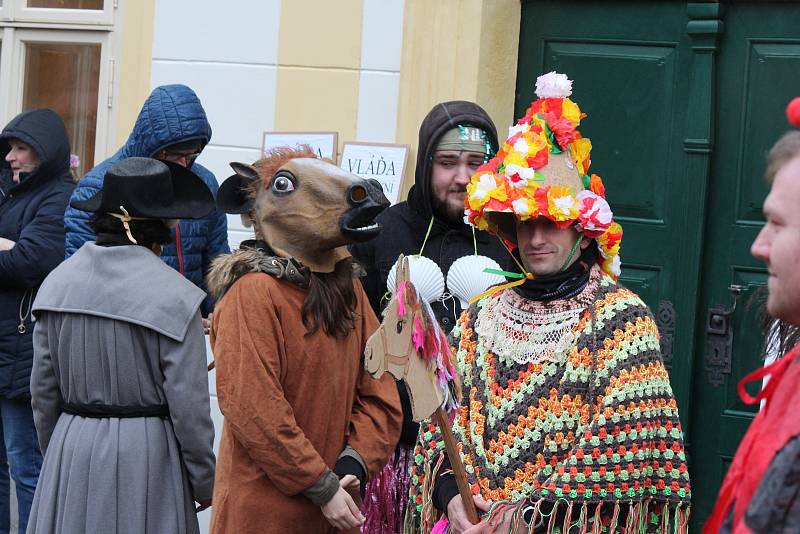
[616, 266]
[521, 146]
[553, 85]
[524, 174]
[485, 185]
[595, 211]
[564, 204]
[517, 128]
[520, 207]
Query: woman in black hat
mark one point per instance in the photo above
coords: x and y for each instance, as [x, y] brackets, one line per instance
[119, 382]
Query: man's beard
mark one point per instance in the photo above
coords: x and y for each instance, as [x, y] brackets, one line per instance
[452, 214]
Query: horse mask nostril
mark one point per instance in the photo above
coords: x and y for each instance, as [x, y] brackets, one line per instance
[358, 194]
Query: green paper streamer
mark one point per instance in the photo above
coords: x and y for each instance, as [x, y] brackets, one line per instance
[507, 274]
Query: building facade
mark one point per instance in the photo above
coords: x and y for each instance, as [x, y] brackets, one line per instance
[683, 99]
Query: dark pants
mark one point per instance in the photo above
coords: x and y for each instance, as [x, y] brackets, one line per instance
[21, 454]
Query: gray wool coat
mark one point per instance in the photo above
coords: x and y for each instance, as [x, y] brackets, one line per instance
[117, 326]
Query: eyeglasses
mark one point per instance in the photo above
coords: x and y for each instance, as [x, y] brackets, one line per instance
[186, 158]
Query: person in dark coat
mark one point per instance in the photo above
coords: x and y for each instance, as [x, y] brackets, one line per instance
[172, 126]
[455, 138]
[435, 202]
[35, 185]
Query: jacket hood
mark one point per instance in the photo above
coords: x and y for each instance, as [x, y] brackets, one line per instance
[440, 119]
[45, 132]
[171, 114]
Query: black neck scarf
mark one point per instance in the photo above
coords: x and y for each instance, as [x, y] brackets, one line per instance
[562, 285]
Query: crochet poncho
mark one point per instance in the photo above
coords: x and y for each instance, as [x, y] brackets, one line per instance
[582, 438]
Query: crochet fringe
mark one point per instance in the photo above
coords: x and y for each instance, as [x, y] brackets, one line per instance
[429, 515]
[642, 517]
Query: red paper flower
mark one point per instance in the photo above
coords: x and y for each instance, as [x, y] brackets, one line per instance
[540, 159]
[793, 112]
[562, 128]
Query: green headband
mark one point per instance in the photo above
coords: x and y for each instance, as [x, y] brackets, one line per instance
[465, 139]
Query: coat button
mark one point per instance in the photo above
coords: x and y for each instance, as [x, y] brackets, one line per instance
[445, 321]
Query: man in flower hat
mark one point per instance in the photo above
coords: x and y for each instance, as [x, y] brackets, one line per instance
[568, 419]
[761, 488]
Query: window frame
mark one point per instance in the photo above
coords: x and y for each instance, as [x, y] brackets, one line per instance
[18, 11]
[12, 79]
[6, 50]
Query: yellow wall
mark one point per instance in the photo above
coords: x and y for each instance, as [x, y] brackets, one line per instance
[451, 49]
[317, 87]
[136, 50]
[457, 50]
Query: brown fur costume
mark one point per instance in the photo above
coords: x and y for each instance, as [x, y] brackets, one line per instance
[288, 335]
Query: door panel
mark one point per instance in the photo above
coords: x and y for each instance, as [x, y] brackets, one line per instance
[681, 114]
[639, 82]
[628, 77]
[758, 69]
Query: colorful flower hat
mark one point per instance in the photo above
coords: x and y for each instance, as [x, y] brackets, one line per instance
[543, 170]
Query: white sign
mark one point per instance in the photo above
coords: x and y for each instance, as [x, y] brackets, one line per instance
[383, 162]
[323, 143]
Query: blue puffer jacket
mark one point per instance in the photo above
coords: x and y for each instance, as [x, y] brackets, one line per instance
[30, 215]
[171, 114]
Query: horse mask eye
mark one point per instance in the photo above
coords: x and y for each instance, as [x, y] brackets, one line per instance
[400, 324]
[282, 183]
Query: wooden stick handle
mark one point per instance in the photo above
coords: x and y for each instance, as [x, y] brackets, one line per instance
[456, 464]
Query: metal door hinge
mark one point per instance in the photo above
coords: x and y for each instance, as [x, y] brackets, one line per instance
[665, 320]
[719, 339]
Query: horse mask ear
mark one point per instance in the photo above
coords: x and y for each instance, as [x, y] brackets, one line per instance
[404, 275]
[402, 270]
[245, 170]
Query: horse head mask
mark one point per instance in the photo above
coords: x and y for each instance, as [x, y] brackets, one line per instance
[308, 208]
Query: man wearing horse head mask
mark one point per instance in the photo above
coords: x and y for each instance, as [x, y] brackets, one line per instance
[568, 419]
[305, 426]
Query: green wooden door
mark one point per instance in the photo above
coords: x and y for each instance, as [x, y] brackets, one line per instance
[683, 101]
[631, 78]
[758, 73]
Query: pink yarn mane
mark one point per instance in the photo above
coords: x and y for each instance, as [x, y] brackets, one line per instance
[429, 340]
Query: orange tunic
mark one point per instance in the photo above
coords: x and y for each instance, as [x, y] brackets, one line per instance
[292, 402]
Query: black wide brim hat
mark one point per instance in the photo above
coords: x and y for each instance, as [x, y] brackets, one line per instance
[150, 189]
[233, 196]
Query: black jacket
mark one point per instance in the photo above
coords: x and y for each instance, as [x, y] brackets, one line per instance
[32, 215]
[405, 225]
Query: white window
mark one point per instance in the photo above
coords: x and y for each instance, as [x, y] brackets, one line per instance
[59, 54]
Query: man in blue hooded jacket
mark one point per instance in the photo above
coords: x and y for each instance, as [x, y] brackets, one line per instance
[171, 126]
